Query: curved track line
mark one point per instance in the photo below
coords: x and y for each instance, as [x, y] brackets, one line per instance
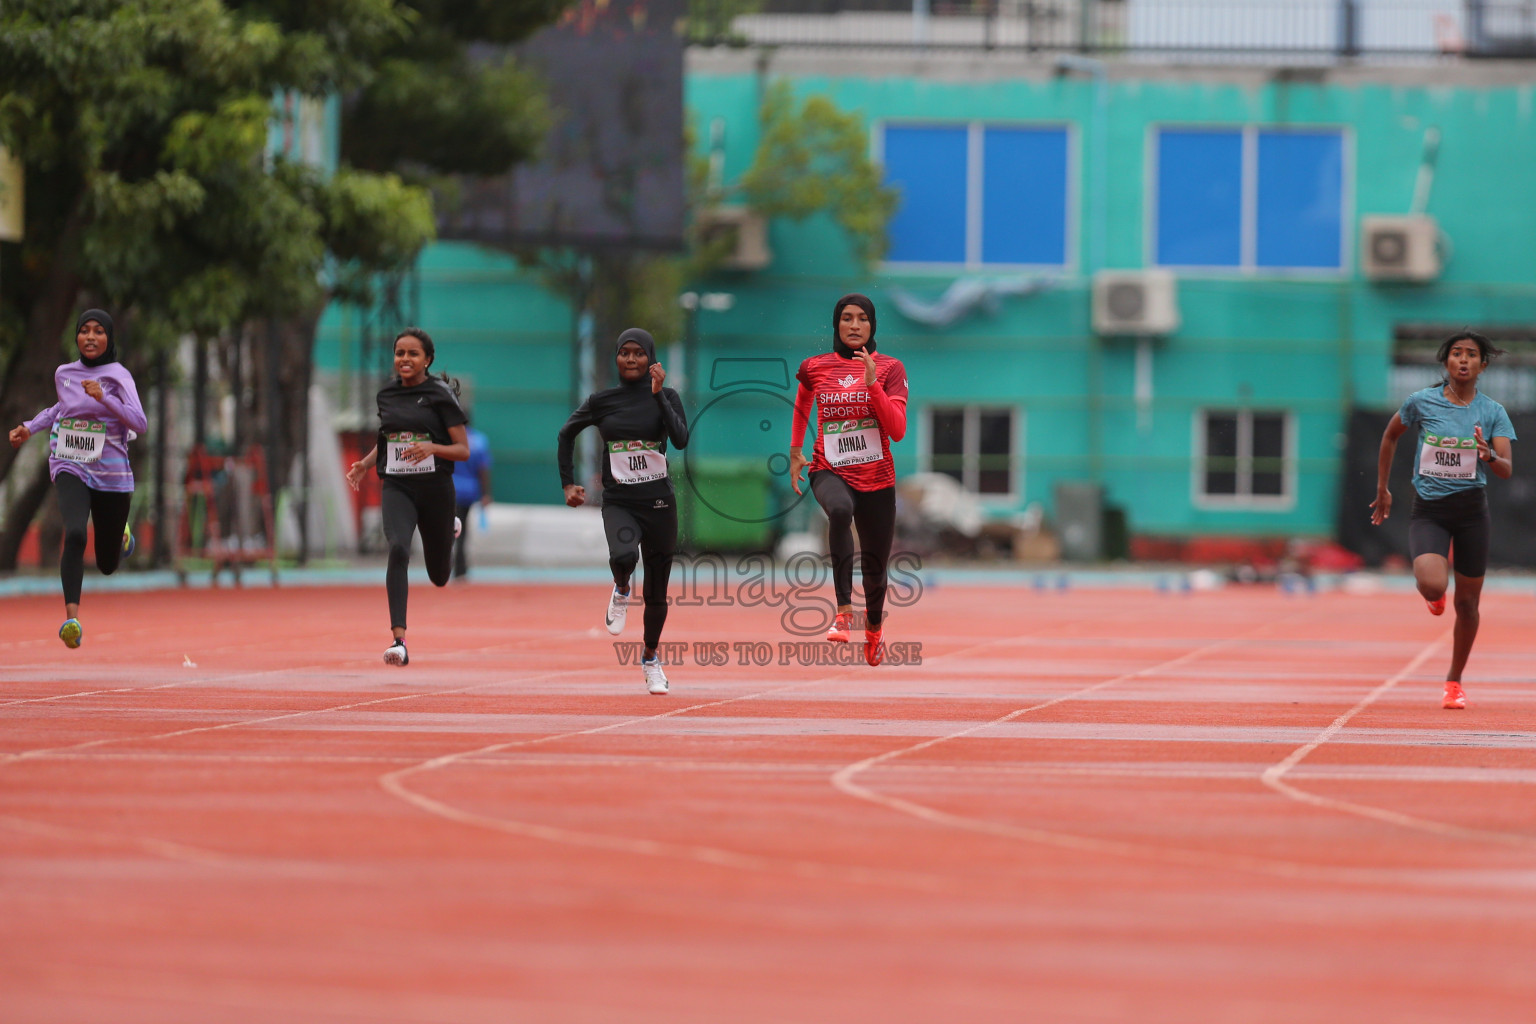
[391, 782]
[1273, 776]
[843, 781]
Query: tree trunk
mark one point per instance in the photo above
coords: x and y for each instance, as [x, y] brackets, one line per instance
[19, 516]
[27, 388]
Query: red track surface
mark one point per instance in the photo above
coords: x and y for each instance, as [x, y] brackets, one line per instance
[1080, 807]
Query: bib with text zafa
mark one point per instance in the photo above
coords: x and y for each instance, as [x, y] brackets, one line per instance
[395, 462]
[851, 442]
[637, 462]
[79, 440]
[1448, 458]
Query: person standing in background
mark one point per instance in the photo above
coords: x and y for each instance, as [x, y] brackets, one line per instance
[471, 485]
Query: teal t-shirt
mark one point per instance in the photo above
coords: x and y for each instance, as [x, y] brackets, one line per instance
[1445, 458]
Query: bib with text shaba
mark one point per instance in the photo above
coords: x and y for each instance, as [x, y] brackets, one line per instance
[851, 442]
[395, 462]
[1448, 458]
[79, 440]
[637, 462]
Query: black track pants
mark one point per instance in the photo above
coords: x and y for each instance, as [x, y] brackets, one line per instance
[422, 503]
[652, 531]
[874, 513]
[109, 510]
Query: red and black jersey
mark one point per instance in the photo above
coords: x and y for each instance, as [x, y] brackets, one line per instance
[849, 439]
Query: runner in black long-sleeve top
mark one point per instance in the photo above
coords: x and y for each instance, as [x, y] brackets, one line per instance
[637, 419]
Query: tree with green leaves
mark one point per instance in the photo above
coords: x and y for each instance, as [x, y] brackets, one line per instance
[142, 127]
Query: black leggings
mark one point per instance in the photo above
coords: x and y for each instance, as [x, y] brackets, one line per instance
[655, 530]
[410, 503]
[1458, 521]
[874, 512]
[109, 510]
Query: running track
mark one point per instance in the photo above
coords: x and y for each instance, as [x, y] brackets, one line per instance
[1083, 806]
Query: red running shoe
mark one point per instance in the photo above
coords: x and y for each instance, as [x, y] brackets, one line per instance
[838, 634]
[874, 650]
[1436, 607]
[1455, 698]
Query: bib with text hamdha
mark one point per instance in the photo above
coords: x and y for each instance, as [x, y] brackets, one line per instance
[79, 440]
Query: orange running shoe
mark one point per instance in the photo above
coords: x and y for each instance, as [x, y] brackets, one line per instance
[838, 634]
[1436, 607]
[1455, 698]
[874, 650]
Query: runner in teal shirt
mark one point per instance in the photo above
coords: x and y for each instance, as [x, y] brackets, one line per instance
[1462, 435]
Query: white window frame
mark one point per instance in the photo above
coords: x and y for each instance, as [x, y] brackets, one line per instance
[974, 178]
[1244, 499]
[1248, 239]
[970, 469]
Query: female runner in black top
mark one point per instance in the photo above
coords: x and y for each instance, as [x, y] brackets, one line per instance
[636, 420]
[421, 431]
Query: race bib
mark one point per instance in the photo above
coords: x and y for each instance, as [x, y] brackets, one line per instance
[1448, 458]
[637, 462]
[851, 442]
[77, 440]
[395, 462]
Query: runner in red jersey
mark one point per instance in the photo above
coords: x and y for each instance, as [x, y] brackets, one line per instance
[861, 407]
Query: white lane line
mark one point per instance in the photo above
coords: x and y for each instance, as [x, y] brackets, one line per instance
[453, 656]
[1274, 775]
[1236, 772]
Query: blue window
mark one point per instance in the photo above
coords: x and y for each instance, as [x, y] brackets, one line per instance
[978, 194]
[928, 167]
[1200, 199]
[1249, 198]
[1301, 187]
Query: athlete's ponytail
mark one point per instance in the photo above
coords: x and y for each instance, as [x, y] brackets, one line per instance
[430, 350]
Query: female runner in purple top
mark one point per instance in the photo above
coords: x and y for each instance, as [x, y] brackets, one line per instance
[89, 427]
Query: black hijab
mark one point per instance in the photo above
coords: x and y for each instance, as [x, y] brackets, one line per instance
[852, 299]
[101, 317]
[643, 338]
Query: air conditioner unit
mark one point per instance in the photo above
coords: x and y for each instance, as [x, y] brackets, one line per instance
[1135, 302]
[748, 231]
[1403, 248]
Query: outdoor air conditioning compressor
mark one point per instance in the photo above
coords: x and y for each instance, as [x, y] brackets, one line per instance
[1400, 248]
[748, 231]
[1135, 302]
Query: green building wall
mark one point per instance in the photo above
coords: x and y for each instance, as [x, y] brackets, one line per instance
[1310, 344]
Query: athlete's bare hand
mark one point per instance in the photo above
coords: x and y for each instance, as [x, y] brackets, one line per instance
[1381, 507]
[797, 462]
[356, 473]
[419, 451]
[1484, 452]
[93, 388]
[575, 495]
[869, 365]
[19, 436]
[657, 376]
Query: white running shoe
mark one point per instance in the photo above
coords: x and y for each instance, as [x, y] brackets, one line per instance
[655, 678]
[396, 654]
[618, 609]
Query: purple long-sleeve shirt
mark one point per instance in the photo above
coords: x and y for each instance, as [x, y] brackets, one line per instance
[93, 436]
